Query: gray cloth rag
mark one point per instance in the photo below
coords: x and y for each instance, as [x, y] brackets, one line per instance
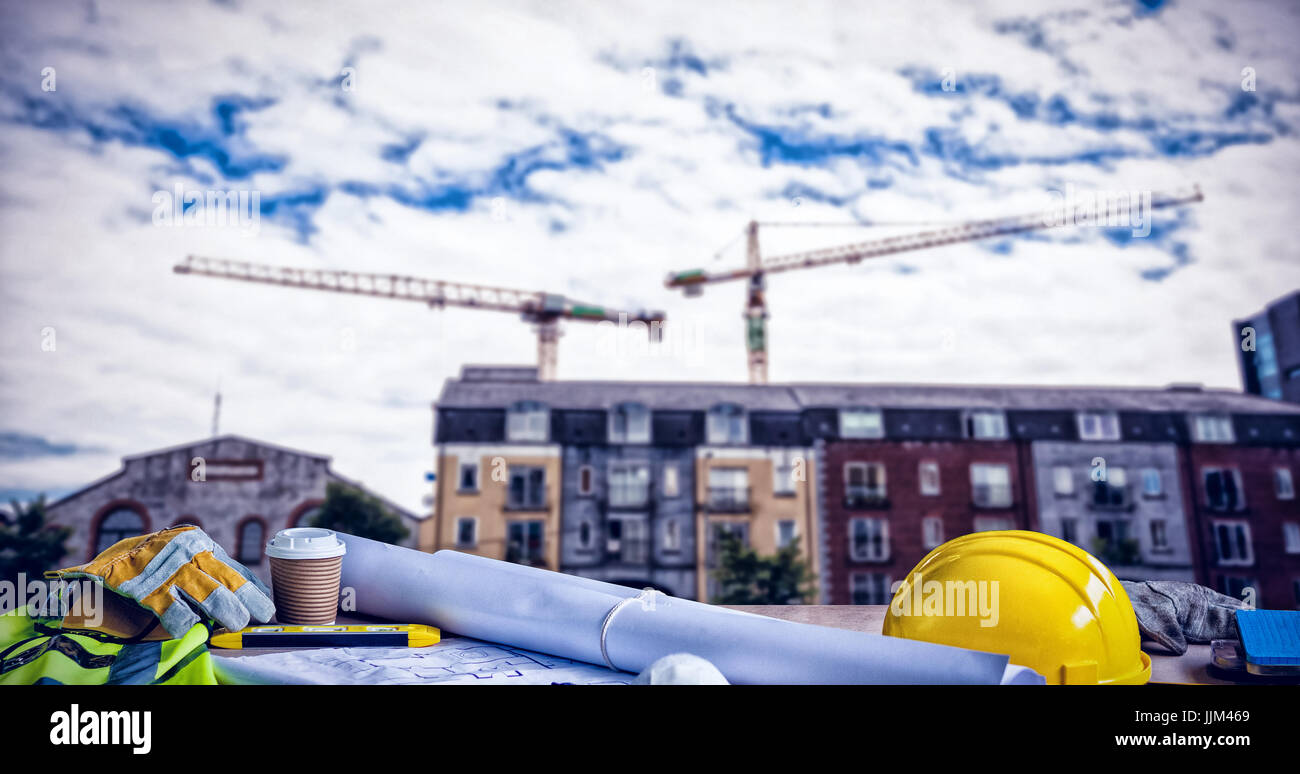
[1174, 613]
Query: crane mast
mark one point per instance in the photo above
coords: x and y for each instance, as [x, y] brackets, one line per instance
[543, 310]
[757, 268]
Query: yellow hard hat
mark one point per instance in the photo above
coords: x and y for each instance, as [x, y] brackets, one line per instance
[1046, 603]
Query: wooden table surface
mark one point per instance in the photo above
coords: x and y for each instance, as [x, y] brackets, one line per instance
[1191, 667]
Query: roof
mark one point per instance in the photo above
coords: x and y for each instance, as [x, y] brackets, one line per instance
[241, 439]
[480, 392]
[459, 393]
[225, 437]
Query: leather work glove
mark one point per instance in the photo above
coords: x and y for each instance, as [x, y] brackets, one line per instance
[179, 573]
[1173, 613]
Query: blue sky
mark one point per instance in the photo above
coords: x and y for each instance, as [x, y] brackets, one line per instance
[588, 149]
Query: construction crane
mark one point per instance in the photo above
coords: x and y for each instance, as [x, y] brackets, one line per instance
[757, 268]
[544, 310]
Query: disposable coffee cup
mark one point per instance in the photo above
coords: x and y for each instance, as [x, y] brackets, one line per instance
[306, 563]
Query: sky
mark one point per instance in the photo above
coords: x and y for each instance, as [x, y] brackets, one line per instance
[588, 149]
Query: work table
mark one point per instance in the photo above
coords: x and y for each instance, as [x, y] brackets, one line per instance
[1191, 667]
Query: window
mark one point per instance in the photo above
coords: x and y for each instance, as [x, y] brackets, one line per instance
[729, 489]
[1282, 484]
[524, 542]
[1291, 537]
[1152, 485]
[468, 481]
[928, 473]
[1098, 426]
[1111, 491]
[870, 588]
[466, 532]
[783, 463]
[586, 480]
[252, 541]
[1235, 585]
[986, 425]
[629, 423]
[584, 535]
[527, 488]
[629, 485]
[864, 484]
[868, 540]
[932, 531]
[990, 485]
[118, 525]
[1232, 542]
[1223, 489]
[1159, 535]
[672, 486]
[992, 523]
[1070, 530]
[726, 424]
[528, 421]
[786, 532]
[1062, 481]
[1212, 429]
[626, 541]
[861, 423]
[672, 535]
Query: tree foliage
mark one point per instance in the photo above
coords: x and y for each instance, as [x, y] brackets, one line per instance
[27, 544]
[745, 578]
[348, 509]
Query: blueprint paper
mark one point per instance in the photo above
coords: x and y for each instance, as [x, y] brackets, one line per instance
[454, 660]
[550, 612]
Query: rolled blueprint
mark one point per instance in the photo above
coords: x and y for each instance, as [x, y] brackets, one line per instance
[601, 623]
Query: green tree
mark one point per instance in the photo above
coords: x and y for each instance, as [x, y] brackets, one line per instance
[745, 578]
[27, 544]
[348, 509]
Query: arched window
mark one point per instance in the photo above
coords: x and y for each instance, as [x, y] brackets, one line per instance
[251, 537]
[528, 420]
[118, 524]
[629, 423]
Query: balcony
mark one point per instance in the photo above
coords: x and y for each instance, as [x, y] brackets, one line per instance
[1117, 553]
[991, 495]
[629, 497]
[527, 504]
[624, 551]
[729, 499]
[1106, 497]
[862, 498]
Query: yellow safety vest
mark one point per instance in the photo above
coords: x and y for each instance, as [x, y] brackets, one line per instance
[36, 650]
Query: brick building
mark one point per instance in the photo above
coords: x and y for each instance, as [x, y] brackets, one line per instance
[247, 491]
[634, 482]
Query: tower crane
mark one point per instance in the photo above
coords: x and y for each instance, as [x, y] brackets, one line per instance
[757, 267]
[544, 310]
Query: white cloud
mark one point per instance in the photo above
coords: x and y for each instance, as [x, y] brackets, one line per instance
[141, 349]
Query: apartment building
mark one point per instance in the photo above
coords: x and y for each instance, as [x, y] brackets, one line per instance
[1241, 472]
[636, 482]
[900, 478]
[631, 483]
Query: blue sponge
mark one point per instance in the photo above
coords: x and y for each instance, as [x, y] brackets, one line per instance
[1270, 637]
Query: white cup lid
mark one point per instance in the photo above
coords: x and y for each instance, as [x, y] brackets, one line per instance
[305, 543]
